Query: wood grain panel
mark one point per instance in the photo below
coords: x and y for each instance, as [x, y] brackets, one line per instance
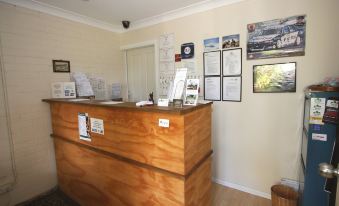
[197, 136]
[198, 186]
[135, 162]
[131, 134]
[91, 178]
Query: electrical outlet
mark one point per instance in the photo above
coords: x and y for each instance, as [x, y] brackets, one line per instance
[163, 122]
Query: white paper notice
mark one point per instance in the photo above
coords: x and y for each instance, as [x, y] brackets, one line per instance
[319, 137]
[98, 86]
[167, 68]
[212, 63]
[232, 62]
[166, 41]
[189, 64]
[63, 90]
[83, 125]
[97, 126]
[69, 90]
[317, 110]
[167, 54]
[57, 90]
[212, 88]
[116, 90]
[231, 89]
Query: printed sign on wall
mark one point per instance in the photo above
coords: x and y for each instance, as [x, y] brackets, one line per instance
[187, 51]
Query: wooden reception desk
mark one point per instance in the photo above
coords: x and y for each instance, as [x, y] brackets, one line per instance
[135, 162]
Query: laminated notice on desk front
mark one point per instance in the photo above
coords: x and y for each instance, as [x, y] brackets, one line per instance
[97, 126]
[83, 124]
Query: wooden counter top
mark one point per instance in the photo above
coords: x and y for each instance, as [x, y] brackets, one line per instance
[131, 106]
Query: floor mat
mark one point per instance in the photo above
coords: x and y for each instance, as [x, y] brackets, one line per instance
[54, 198]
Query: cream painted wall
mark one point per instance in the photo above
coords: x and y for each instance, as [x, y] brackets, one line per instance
[256, 142]
[29, 42]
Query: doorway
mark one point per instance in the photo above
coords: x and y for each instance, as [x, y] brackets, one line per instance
[141, 73]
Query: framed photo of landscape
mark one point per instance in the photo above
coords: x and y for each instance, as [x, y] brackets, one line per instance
[61, 66]
[277, 38]
[274, 78]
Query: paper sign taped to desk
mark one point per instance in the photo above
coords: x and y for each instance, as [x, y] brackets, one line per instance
[83, 125]
[97, 126]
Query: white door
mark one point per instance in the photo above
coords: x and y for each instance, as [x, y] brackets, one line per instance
[141, 76]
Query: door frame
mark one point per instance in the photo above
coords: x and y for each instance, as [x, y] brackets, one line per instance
[155, 45]
[9, 186]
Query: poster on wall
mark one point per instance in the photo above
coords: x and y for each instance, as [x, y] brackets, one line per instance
[230, 41]
[277, 38]
[187, 51]
[211, 44]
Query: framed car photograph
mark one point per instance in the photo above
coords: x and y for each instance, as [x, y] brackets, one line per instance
[277, 38]
[61, 66]
[274, 78]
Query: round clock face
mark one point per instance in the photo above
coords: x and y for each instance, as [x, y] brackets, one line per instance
[187, 50]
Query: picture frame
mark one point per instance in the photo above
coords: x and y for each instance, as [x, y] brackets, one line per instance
[232, 62]
[276, 38]
[230, 41]
[212, 88]
[275, 78]
[232, 88]
[61, 66]
[212, 63]
[211, 44]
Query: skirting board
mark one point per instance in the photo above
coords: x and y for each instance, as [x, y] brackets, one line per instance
[242, 188]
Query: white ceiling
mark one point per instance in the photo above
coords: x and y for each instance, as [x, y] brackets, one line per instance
[108, 14]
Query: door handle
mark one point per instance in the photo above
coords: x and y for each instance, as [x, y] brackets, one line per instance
[328, 171]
